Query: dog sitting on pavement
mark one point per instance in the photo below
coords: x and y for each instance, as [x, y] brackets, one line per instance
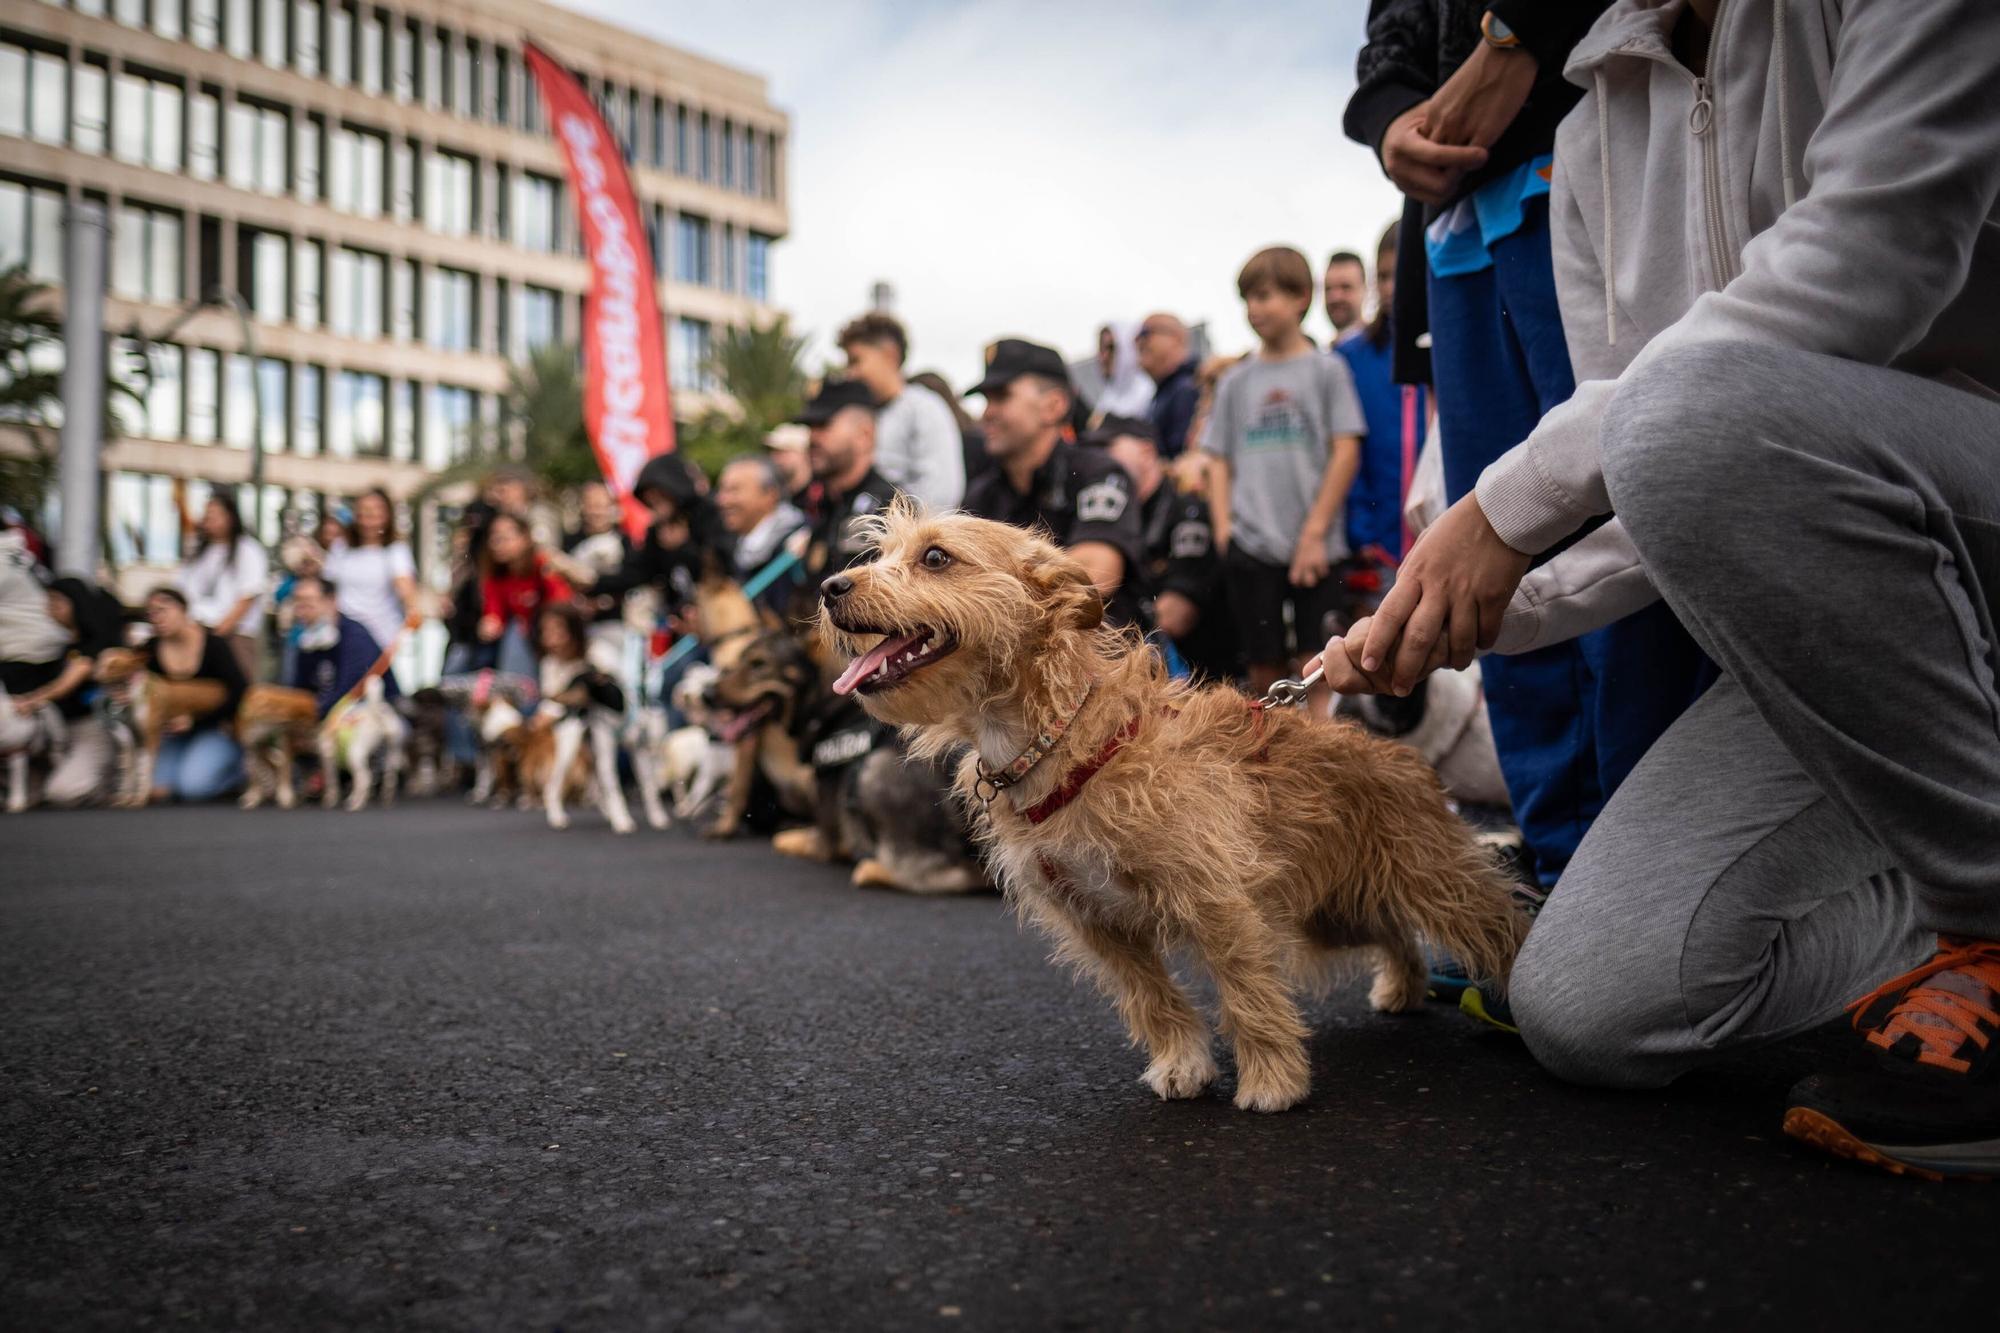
[759, 701]
[139, 705]
[281, 719]
[351, 739]
[1129, 815]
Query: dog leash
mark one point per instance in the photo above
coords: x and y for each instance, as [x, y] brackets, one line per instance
[759, 581]
[1290, 693]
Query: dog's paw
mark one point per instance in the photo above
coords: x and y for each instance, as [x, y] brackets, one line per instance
[659, 820]
[807, 844]
[1187, 1074]
[1275, 1081]
[288, 800]
[1397, 991]
[558, 819]
[720, 829]
[624, 825]
[250, 800]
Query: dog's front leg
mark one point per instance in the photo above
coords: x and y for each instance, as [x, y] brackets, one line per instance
[737, 803]
[1156, 1011]
[1261, 1018]
[610, 792]
[361, 767]
[256, 762]
[17, 782]
[329, 770]
[482, 777]
[569, 735]
[646, 767]
[288, 759]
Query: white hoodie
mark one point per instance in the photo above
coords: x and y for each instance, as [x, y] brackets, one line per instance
[1830, 186]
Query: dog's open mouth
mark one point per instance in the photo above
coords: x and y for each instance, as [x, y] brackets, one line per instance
[740, 722]
[891, 662]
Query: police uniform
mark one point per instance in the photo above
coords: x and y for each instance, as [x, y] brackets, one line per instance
[1179, 542]
[1077, 495]
[839, 538]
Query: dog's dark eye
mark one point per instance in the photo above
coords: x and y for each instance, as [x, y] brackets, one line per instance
[936, 558]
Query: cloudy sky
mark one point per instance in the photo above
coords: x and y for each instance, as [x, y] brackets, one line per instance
[1028, 167]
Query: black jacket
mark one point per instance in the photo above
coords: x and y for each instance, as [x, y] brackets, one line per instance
[1413, 47]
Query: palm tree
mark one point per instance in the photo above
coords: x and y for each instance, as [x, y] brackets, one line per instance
[759, 369]
[30, 392]
[541, 426]
[31, 341]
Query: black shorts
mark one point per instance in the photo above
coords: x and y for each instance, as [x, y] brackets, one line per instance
[1259, 593]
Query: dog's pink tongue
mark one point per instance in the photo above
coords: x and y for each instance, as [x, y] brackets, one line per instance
[864, 666]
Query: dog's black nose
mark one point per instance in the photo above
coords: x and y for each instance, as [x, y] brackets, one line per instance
[836, 588]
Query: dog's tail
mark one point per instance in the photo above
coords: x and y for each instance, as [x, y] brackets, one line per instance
[1464, 904]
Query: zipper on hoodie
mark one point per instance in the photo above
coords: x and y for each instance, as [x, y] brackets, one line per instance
[1701, 121]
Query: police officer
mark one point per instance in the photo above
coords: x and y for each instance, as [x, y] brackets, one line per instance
[835, 733]
[1041, 478]
[846, 487]
[1180, 566]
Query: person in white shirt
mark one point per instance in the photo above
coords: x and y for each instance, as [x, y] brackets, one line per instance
[226, 580]
[374, 571]
[918, 447]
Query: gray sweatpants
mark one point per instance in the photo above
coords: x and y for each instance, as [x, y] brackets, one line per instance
[1830, 535]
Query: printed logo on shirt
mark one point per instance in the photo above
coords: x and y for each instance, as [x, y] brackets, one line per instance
[1276, 423]
[1103, 502]
[1190, 540]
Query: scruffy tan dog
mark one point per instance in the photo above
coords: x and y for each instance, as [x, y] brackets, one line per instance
[1129, 815]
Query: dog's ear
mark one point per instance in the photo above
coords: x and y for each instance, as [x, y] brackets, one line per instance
[1064, 586]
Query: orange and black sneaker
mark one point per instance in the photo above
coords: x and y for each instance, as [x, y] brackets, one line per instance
[1930, 1107]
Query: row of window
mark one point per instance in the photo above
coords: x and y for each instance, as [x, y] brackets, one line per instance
[381, 53]
[142, 514]
[207, 396]
[357, 171]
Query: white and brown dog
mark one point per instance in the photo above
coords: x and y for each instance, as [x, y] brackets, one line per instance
[25, 737]
[353, 738]
[1130, 815]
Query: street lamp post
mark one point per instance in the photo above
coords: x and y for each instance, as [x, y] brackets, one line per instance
[82, 386]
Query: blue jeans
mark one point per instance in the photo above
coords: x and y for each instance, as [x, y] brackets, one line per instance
[198, 766]
[1570, 720]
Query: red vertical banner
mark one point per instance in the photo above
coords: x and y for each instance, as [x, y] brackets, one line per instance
[626, 403]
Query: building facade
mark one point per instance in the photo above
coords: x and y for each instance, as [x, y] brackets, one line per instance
[372, 193]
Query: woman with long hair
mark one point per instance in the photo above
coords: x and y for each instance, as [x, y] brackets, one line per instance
[199, 759]
[225, 582]
[515, 582]
[374, 571]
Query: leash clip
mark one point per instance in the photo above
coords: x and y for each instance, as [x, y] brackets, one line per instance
[1291, 693]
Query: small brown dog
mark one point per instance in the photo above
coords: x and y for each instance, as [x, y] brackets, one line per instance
[281, 719]
[142, 703]
[531, 748]
[1128, 814]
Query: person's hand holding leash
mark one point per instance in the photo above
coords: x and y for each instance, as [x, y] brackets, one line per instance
[1450, 595]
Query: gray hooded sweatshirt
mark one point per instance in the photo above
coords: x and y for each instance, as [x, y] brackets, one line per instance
[1831, 185]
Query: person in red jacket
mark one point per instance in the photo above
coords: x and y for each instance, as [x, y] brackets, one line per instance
[515, 583]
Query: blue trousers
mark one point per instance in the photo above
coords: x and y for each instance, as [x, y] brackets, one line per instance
[1570, 720]
[198, 766]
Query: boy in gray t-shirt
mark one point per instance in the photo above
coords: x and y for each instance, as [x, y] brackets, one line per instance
[1284, 445]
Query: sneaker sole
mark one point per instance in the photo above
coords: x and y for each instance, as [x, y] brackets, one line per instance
[1821, 1131]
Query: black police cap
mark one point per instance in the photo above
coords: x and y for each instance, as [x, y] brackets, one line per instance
[1011, 358]
[834, 395]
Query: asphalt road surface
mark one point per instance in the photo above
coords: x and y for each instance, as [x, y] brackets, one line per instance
[442, 1068]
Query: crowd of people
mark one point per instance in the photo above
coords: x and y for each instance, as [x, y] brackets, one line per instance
[1710, 372]
[1146, 483]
